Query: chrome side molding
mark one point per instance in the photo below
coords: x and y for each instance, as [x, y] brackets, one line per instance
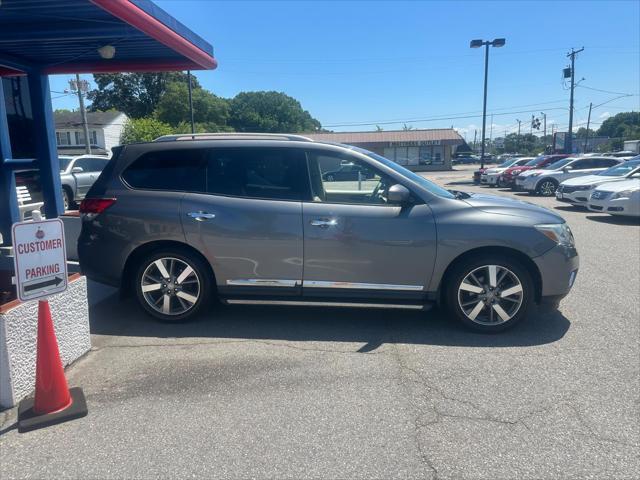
[299, 303]
[263, 282]
[361, 286]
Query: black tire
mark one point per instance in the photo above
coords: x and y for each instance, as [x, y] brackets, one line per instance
[462, 269]
[67, 199]
[201, 273]
[547, 187]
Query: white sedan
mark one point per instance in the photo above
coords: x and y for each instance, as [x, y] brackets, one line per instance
[577, 190]
[617, 198]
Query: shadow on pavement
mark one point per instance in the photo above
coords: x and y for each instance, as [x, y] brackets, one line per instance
[374, 327]
[614, 220]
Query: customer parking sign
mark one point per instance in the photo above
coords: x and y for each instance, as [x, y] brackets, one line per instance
[40, 258]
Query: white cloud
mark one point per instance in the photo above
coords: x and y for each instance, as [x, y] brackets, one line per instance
[604, 115]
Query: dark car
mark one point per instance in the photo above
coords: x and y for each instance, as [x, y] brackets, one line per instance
[251, 219]
[346, 172]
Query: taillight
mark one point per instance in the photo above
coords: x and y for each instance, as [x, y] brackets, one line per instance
[95, 205]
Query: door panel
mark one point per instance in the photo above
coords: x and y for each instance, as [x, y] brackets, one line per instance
[250, 243]
[392, 247]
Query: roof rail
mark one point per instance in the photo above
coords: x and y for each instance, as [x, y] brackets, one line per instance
[232, 136]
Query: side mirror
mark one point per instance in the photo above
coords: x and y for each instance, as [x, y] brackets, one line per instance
[566, 169]
[398, 194]
[77, 170]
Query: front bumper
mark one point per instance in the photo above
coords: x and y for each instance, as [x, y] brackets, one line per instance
[528, 183]
[558, 270]
[616, 206]
[579, 197]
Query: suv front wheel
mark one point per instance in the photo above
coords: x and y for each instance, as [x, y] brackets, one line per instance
[172, 285]
[490, 293]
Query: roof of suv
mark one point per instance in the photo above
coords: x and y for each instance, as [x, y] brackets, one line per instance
[232, 136]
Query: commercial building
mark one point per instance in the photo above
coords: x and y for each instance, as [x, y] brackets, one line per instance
[420, 150]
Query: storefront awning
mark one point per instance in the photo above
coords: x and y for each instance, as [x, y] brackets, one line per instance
[76, 36]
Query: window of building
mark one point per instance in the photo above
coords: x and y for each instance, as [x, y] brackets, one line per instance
[93, 135]
[423, 155]
[173, 170]
[269, 173]
[63, 138]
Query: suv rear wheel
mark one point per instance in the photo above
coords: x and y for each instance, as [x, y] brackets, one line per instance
[173, 285]
[490, 293]
[547, 187]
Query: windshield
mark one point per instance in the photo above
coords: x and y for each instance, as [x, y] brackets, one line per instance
[620, 170]
[559, 164]
[423, 182]
[64, 162]
[536, 161]
[508, 163]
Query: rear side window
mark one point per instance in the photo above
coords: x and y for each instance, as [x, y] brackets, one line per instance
[177, 170]
[269, 173]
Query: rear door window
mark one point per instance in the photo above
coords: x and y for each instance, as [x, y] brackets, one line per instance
[267, 173]
[176, 170]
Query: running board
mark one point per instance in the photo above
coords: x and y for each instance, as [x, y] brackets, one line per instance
[300, 303]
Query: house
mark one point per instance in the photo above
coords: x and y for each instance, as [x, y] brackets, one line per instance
[419, 150]
[105, 129]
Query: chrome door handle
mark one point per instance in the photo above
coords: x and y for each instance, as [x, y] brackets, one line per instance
[324, 222]
[201, 216]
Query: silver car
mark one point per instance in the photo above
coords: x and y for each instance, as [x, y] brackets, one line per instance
[253, 219]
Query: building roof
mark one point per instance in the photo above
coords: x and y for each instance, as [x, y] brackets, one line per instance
[436, 134]
[67, 119]
[63, 36]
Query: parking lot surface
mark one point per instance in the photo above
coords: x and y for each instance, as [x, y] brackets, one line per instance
[274, 392]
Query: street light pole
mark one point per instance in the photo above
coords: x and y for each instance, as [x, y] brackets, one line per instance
[498, 42]
[569, 139]
[193, 128]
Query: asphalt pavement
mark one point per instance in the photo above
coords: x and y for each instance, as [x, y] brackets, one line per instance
[257, 392]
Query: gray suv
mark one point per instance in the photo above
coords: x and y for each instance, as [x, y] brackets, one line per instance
[254, 219]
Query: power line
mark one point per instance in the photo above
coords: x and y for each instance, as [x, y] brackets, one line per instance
[607, 91]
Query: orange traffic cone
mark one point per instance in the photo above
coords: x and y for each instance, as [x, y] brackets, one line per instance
[52, 392]
[53, 402]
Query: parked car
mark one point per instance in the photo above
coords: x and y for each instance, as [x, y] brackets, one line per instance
[617, 198]
[545, 181]
[465, 160]
[577, 190]
[77, 175]
[491, 175]
[252, 220]
[508, 177]
[348, 171]
[621, 154]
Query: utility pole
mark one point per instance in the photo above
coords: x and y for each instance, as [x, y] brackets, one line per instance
[586, 137]
[81, 86]
[475, 135]
[569, 139]
[193, 128]
[518, 144]
[544, 135]
[491, 134]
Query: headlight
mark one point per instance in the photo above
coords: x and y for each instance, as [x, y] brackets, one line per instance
[623, 194]
[558, 232]
[582, 187]
[516, 173]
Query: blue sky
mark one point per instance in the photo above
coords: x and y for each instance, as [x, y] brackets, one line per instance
[382, 62]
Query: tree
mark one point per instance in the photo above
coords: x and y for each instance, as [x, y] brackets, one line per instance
[269, 112]
[144, 130]
[624, 126]
[173, 107]
[582, 133]
[136, 94]
[527, 143]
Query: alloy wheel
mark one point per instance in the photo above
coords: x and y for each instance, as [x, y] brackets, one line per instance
[547, 188]
[170, 286]
[490, 295]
